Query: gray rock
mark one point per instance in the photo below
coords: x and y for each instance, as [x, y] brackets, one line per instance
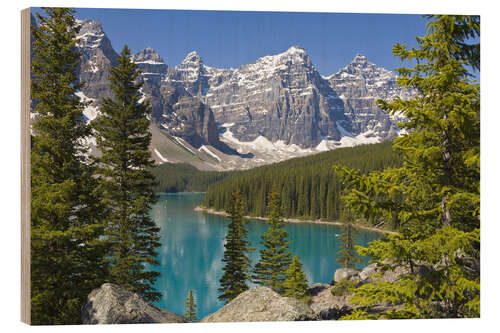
[185, 117]
[111, 304]
[327, 306]
[367, 272]
[345, 274]
[194, 122]
[262, 304]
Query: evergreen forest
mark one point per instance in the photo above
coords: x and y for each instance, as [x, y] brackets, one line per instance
[308, 186]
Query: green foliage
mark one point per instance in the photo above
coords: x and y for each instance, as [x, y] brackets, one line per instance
[433, 198]
[275, 257]
[190, 307]
[125, 184]
[448, 286]
[66, 251]
[344, 287]
[181, 177]
[307, 186]
[237, 264]
[346, 255]
[295, 284]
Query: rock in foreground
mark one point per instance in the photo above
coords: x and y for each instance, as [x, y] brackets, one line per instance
[327, 306]
[111, 304]
[345, 274]
[262, 304]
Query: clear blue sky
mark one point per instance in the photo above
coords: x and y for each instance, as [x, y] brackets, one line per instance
[230, 39]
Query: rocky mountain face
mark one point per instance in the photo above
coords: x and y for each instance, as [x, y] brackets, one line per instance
[280, 97]
[152, 66]
[174, 109]
[360, 84]
[190, 120]
[98, 56]
[276, 108]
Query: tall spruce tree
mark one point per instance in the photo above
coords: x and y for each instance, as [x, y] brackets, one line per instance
[346, 255]
[190, 307]
[275, 257]
[125, 183]
[66, 250]
[295, 284]
[434, 196]
[237, 263]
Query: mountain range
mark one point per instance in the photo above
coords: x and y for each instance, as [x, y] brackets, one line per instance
[275, 108]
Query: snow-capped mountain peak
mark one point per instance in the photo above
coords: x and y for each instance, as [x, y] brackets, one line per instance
[148, 55]
[192, 59]
[279, 106]
[360, 59]
[295, 55]
[91, 34]
[150, 63]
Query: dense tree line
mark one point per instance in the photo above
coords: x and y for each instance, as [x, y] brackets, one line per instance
[182, 177]
[308, 186]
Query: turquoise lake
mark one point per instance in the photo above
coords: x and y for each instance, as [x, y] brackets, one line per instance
[193, 246]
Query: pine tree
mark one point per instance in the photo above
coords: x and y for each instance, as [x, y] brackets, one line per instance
[237, 264]
[346, 255]
[190, 307]
[295, 284]
[275, 257]
[433, 198]
[125, 182]
[66, 250]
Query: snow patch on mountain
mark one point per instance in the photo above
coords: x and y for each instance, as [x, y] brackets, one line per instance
[262, 144]
[160, 156]
[91, 111]
[206, 150]
[184, 144]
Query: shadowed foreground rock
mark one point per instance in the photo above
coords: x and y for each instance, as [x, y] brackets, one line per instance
[327, 306]
[111, 304]
[262, 304]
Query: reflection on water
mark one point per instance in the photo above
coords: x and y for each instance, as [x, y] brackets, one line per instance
[193, 247]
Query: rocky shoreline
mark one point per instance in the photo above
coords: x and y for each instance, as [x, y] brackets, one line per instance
[294, 220]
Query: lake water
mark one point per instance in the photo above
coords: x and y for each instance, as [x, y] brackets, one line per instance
[193, 246]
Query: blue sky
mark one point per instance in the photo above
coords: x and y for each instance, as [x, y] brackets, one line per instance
[230, 39]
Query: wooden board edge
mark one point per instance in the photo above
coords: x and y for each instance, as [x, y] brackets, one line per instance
[25, 166]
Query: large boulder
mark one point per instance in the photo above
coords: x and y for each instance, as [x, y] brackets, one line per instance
[111, 304]
[262, 304]
[327, 306]
[345, 274]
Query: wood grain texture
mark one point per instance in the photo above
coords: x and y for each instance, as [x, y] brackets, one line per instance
[25, 166]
